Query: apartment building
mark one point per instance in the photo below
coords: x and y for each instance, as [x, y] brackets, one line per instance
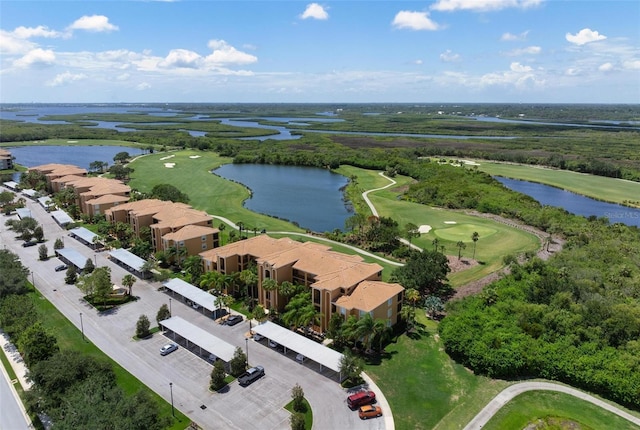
[166, 220]
[54, 171]
[94, 195]
[331, 276]
[6, 160]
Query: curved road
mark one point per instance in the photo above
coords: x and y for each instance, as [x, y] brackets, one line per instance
[509, 393]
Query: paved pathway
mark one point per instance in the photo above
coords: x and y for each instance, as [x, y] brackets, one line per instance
[512, 391]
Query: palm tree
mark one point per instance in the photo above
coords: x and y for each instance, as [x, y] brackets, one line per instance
[240, 225]
[221, 227]
[413, 296]
[381, 332]
[435, 243]
[461, 245]
[475, 236]
[211, 281]
[128, 282]
[364, 330]
[408, 315]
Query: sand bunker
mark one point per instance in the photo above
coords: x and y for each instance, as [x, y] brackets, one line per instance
[450, 222]
[194, 156]
[72, 141]
[169, 165]
[424, 228]
[167, 157]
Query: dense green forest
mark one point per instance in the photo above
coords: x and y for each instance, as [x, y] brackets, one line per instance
[575, 318]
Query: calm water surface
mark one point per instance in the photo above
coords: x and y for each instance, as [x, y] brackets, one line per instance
[574, 203]
[310, 197]
[81, 156]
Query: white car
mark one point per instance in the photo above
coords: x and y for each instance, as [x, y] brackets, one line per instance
[300, 358]
[168, 348]
[257, 336]
[272, 344]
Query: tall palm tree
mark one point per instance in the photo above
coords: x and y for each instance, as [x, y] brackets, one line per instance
[221, 227]
[211, 281]
[435, 243]
[475, 236]
[364, 330]
[461, 245]
[381, 332]
[412, 296]
[128, 282]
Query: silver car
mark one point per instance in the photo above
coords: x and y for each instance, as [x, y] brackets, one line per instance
[168, 348]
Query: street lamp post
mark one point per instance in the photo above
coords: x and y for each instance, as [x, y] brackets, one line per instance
[33, 281]
[246, 340]
[170, 314]
[81, 326]
[171, 388]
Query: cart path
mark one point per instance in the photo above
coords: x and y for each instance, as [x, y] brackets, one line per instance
[512, 391]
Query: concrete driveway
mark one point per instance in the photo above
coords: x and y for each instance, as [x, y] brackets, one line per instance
[259, 405]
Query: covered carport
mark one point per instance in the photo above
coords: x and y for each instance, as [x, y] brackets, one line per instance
[129, 261]
[204, 342]
[324, 356]
[85, 236]
[194, 296]
[61, 217]
[73, 257]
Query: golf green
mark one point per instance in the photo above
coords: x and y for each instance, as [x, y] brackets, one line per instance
[462, 232]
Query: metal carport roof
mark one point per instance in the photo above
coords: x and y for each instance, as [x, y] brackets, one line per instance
[128, 259]
[192, 293]
[198, 336]
[84, 234]
[73, 257]
[61, 217]
[317, 352]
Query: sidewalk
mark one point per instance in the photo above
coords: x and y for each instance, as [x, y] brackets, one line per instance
[14, 358]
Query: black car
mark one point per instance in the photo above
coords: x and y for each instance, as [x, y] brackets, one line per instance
[30, 243]
[61, 267]
[233, 320]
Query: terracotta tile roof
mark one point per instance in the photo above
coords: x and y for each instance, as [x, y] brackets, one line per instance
[59, 169]
[255, 246]
[369, 295]
[142, 207]
[190, 232]
[107, 198]
[176, 217]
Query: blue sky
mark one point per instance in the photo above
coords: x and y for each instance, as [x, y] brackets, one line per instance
[528, 51]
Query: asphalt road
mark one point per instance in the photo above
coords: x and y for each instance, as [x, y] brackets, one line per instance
[12, 415]
[259, 405]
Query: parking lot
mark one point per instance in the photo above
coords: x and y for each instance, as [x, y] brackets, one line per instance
[259, 405]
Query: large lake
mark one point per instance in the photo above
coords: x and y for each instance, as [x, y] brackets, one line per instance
[574, 203]
[310, 197]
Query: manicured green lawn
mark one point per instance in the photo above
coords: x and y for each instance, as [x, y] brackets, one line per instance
[424, 386]
[206, 191]
[597, 187]
[308, 414]
[531, 406]
[70, 339]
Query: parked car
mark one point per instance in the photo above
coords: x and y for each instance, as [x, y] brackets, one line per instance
[272, 344]
[168, 348]
[361, 398]
[61, 267]
[234, 319]
[300, 358]
[29, 243]
[257, 336]
[369, 411]
[212, 358]
[250, 375]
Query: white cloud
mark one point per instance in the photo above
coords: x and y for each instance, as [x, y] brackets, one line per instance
[449, 57]
[519, 68]
[12, 45]
[418, 62]
[181, 58]
[36, 58]
[66, 78]
[93, 23]
[586, 35]
[529, 50]
[143, 86]
[315, 11]
[223, 53]
[414, 21]
[509, 37]
[632, 64]
[606, 67]
[483, 5]
[40, 31]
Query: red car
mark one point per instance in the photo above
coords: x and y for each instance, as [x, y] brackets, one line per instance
[369, 411]
[361, 398]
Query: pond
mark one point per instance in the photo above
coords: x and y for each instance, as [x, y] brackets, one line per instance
[310, 197]
[574, 203]
[81, 156]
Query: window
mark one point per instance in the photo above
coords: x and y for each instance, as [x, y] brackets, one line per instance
[204, 246]
[204, 238]
[400, 296]
[399, 306]
[181, 243]
[389, 312]
[389, 302]
[316, 296]
[343, 311]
